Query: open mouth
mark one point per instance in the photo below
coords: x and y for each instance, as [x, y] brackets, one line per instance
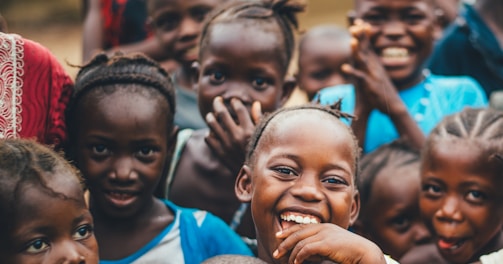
[450, 243]
[288, 219]
[394, 55]
[121, 198]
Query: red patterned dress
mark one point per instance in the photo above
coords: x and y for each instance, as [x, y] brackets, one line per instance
[34, 91]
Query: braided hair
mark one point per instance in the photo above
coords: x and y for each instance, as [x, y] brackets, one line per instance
[261, 13]
[483, 127]
[25, 162]
[104, 75]
[275, 117]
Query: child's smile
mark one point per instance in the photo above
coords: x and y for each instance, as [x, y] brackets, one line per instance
[401, 33]
[301, 175]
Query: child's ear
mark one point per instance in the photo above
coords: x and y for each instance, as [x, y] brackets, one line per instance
[194, 75]
[355, 208]
[351, 17]
[243, 186]
[288, 87]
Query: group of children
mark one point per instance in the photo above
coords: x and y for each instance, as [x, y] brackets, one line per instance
[271, 184]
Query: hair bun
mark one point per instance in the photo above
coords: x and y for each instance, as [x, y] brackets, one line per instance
[289, 9]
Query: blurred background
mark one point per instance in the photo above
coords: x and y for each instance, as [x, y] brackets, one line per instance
[57, 24]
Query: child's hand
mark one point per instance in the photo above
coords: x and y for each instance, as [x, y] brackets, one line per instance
[374, 89]
[228, 137]
[317, 242]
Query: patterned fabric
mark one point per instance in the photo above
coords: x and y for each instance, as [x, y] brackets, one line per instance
[123, 22]
[34, 91]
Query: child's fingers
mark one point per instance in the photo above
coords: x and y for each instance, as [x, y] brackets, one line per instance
[242, 114]
[216, 130]
[222, 114]
[256, 112]
[292, 236]
[353, 72]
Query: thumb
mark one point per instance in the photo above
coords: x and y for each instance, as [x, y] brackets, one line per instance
[256, 112]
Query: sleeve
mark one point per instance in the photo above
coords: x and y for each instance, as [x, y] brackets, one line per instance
[472, 93]
[493, 258]
[220, 239]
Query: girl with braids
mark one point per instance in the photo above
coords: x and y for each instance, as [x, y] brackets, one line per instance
[461, 179]
[44, 217]
[300, 180]
[120, 126]
[246, 48]
[389, 193]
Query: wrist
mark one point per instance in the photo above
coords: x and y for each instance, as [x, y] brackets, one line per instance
[372, 254]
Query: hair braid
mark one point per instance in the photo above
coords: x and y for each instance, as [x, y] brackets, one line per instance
[484, 126]
[107, 74]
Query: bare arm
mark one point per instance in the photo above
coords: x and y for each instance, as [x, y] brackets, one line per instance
[374, 90]
[93, 29]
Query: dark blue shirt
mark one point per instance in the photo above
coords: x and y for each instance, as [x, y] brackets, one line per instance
[470, 48]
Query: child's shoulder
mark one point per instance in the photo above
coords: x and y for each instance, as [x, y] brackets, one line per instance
[463, 88]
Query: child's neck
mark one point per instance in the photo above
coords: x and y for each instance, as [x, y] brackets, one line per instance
[490, 11]
[494, 245]
[148, 212]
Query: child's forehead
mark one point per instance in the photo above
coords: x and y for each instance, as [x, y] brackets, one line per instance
[385, 4]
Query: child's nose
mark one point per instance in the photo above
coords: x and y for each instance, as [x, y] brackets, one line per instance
[189, 29]
[239, 91]
[123, 169]
[306, 188]
[394, 29]
[449, 210]
[70, 252]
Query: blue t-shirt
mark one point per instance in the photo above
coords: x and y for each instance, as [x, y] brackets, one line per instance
[428, 103]
[192, 237]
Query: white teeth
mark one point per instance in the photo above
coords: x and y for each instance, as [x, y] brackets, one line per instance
[395, 52]
[289, 217]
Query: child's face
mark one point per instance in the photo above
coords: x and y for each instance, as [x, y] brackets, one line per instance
[121, 151]
[402, 35]
[394, 221]
[178, 24]
[241, 62]
[51, 229]
[461, 199]
[302, 172]
[320, 61]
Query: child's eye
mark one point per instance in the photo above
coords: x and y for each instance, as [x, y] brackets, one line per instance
[374, 19]
[321, 75]
[260, 83]
[285, 171]
[334, 180]
[145, 152]
[100, 149]
[475, 196]
[217, 77]
[414, 18]
[431, 190]
[401, 223]
[167, 22]
[36, 246]
[199, 13]
[83, 232]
